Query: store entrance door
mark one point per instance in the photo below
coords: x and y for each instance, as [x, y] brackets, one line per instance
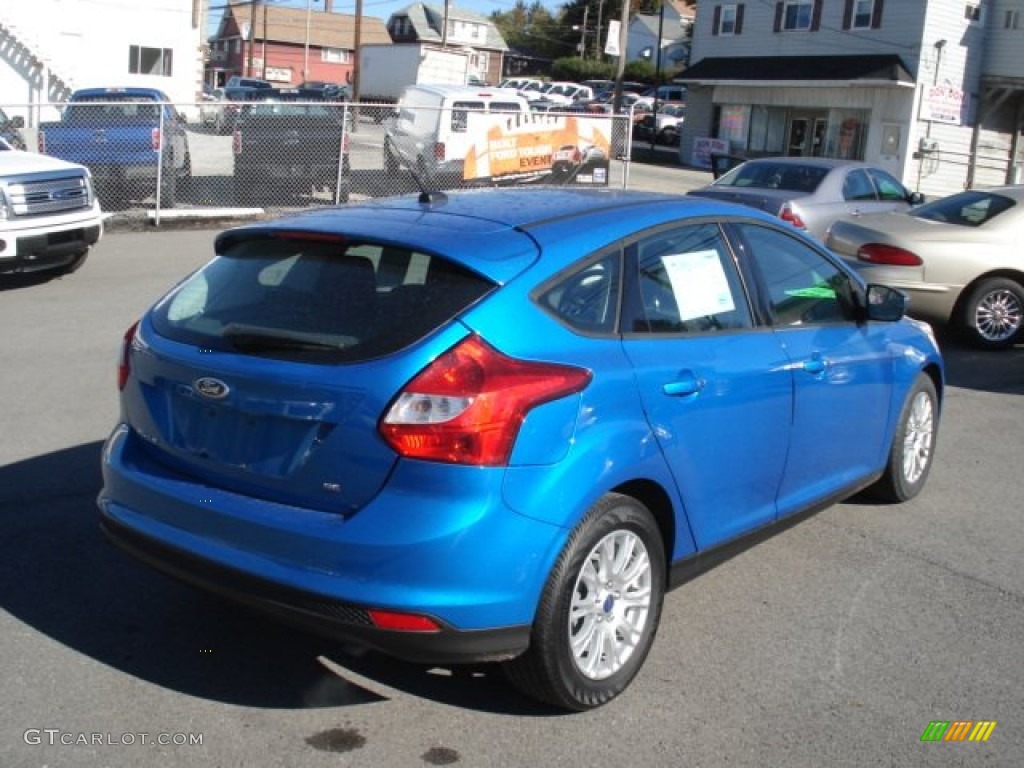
[806, 134]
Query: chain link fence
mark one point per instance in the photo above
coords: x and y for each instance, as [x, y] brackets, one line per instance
[286, 155]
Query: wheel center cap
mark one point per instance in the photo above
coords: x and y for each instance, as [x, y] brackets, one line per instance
[609, 604]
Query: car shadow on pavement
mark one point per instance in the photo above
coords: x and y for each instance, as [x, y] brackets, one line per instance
[60, 577]
[999, 371]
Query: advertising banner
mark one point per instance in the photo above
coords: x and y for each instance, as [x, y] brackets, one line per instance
[703, 148]
[538, 148]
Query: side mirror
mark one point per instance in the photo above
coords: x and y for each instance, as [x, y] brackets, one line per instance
[916, 198]
[18, 122]
[885, 304]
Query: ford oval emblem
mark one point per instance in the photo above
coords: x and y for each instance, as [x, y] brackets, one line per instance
[211, 388]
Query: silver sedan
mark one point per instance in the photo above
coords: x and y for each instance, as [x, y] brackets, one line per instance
[811, 192]
[960, 259]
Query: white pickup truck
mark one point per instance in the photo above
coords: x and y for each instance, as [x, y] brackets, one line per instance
[49, 215]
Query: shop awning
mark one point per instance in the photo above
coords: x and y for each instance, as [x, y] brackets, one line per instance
[798, 70]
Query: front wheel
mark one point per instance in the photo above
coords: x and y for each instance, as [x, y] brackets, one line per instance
[993, 313]
[913, 445]
[599, 610]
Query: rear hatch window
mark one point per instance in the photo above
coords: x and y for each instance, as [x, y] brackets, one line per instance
[315, 300]
[270, 366]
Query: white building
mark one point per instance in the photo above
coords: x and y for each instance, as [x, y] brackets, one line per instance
[49, 48]
[932, 90]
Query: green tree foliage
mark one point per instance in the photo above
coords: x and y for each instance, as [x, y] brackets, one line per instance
[534, 30]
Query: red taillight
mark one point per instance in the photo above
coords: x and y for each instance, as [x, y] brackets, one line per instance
[41, 141]
[439, 150]
[124, 362]
[879, 253]
[155, 139]
[788, 214]
[236, 142]
[467, 406]
[402, 622]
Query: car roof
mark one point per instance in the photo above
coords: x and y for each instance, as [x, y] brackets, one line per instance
[497, 231]
[811, 162]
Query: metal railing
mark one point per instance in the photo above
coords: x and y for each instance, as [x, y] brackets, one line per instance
[284, 155]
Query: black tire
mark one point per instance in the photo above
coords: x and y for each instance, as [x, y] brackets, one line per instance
[552, 670]
[185, 180]
[992, 316]
[913, 445]
[168, 187]
[246, 192]
[390, 161]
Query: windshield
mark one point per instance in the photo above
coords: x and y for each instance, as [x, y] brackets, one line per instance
[966, 209]
[787, 176]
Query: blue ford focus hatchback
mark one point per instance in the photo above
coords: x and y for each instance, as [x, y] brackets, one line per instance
[499, 425]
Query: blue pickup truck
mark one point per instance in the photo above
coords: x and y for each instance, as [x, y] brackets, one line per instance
[129, 138]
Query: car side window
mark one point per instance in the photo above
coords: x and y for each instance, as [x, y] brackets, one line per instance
[588, 299]
[687, 283]
[802, 285]
[857, 187]
[888, 187]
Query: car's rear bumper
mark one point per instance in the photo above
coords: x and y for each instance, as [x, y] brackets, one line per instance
[321, 613]
[432, 545]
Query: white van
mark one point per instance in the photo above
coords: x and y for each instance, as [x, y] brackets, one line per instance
[429, 132]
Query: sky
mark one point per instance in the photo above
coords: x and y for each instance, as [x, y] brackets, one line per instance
[382, 9]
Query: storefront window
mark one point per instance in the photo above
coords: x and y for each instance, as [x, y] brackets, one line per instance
[846, 133]
[733, 124]
[767, 130]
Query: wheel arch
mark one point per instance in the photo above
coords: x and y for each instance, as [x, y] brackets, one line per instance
[658, 502]
[1009, 274]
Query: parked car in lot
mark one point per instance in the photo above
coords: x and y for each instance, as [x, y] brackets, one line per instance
[810, 193]
[335, 419]
[133, 141]
[670, 119]
[221, 110]
[291, 141]
[429, 132]
[49, 214]
[959, 258]
[330, 91]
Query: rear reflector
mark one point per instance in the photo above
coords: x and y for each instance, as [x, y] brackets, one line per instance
[879, 253]
[124, 363]
[402, 622]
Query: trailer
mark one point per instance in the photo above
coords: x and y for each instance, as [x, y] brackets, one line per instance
[385, 70]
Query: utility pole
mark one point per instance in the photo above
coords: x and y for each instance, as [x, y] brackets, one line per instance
[620, 68]
[583, 33]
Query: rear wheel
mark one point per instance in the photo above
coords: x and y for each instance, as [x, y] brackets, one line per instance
[993, 313]
[390, 161]
[168, 187]
[910, 457]
[599, 611]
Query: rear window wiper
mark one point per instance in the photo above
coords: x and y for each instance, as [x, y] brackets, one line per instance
[255, 339]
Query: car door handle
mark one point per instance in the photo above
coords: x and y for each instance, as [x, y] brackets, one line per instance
[687, 384]
[816, 365]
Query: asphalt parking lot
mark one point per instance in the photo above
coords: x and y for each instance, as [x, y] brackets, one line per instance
[835, 643]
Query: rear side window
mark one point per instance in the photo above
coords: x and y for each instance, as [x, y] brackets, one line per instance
[460, 114]
[588, 299]
[316, 301]
[857, 186]
[688, 283]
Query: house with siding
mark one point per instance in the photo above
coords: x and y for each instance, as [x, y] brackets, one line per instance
[288, 45]
[668, 30]
[452, 27]
[932, 90]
